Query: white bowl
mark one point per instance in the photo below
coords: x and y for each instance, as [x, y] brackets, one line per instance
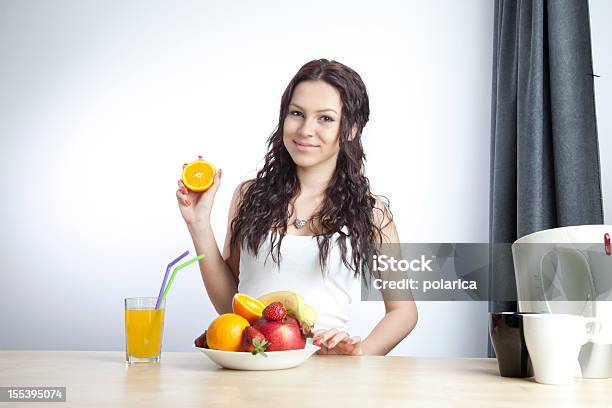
[275, 360]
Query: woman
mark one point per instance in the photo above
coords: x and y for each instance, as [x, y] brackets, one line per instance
[308, 221]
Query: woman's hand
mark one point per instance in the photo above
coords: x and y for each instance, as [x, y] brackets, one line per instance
[196, 206]
[335, 342]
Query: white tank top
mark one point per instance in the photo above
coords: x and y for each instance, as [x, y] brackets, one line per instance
[330, 292]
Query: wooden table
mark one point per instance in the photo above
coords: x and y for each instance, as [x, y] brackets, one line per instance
[190, 379]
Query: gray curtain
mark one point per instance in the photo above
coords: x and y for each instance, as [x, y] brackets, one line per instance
[545, 169]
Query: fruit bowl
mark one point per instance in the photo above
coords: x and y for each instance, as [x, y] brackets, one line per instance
[275, 360]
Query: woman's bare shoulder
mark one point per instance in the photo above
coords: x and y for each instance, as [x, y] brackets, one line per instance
[383, 219]
[381, 212]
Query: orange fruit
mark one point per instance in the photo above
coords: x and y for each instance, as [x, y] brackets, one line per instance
[225, 332]
[247, 307]
[199, 175]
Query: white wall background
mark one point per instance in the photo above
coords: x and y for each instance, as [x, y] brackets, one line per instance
[101, 103]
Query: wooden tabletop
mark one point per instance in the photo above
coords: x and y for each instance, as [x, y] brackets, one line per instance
[190, 379]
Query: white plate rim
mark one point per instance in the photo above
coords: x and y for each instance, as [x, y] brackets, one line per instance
[308, 347]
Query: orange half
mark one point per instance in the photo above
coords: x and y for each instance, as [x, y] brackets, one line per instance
[247, 307]
[199, 175]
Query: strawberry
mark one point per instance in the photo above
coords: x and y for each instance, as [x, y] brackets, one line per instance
[274, 311]
[201, 341]
[254, 342]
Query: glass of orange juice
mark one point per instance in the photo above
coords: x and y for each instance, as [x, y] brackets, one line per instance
[144, 326]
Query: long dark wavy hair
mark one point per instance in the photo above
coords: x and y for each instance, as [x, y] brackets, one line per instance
[266, 202]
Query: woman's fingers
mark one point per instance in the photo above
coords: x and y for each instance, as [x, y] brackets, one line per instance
[323, 335]
[317, 332]
[182, 192]
[182, 198]
[322, 338]
[337, 338]
[182, 187]
[323, 351]
[353, 340]
[331, 338]
[336, 342]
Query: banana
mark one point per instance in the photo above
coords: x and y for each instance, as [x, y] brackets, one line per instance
[291, 300]
[308, 318]
[294, 304]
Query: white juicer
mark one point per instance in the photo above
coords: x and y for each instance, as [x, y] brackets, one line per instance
[569, 270]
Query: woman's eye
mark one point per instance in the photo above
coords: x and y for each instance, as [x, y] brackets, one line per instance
[295, 113]
[327, 119]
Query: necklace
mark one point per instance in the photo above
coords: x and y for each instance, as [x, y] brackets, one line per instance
[298, 223]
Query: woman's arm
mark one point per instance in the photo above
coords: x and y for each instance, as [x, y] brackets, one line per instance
[219, 272]
[399, 320]
[401, 316]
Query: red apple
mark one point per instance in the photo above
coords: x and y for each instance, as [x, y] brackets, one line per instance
[282, 335]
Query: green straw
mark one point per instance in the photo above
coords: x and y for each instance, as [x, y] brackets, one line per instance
[178, 268]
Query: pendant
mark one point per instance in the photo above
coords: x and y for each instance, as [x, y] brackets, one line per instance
[299, 223]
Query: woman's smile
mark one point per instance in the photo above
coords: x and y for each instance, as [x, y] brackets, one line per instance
[305, 147]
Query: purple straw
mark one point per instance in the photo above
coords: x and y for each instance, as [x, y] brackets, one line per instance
[170, 265]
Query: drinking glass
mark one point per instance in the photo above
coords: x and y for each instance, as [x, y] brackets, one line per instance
[144, 327]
